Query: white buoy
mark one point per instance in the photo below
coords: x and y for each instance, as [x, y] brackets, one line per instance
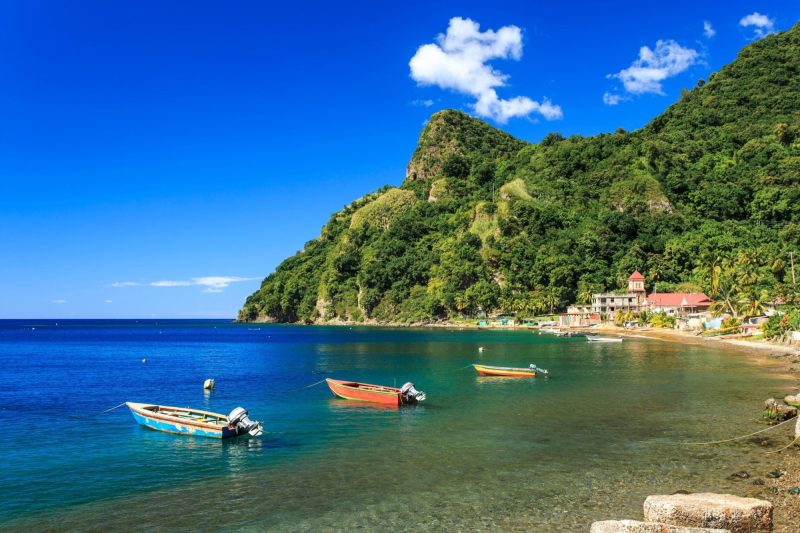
[208, 384]
[144, 360]
[480, 349]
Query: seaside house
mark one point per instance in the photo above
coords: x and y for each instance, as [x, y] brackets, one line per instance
[678, 303]
[578, 317]
[752, 325]
[634, 300]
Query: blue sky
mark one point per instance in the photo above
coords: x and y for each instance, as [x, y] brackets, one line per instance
[159, 159]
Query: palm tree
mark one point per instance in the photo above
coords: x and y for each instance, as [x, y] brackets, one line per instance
[727, 287]
[752, 303]
[709, 269]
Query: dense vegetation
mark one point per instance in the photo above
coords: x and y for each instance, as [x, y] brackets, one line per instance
[705, 196]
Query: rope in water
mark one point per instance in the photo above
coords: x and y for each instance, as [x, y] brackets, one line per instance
[109, 410]
[313, 384]
[97, 414]
[738, 438]
[787, 446]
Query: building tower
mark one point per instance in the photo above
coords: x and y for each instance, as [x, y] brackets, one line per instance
[636, 286]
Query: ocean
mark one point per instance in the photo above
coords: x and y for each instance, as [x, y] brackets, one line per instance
[590, 442]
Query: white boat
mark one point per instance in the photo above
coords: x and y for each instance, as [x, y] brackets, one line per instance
[597, 338]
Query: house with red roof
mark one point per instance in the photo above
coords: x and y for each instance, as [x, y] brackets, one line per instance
[678, 303]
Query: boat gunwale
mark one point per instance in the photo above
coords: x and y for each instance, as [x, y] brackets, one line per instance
[378, 389]
[139, 408]
[513, 368]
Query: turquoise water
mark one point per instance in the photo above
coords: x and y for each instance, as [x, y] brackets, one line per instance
[591, 442]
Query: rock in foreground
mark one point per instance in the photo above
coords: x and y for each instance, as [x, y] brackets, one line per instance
[634, 526]
[724, 511]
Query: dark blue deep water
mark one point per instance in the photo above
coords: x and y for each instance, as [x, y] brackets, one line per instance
[588, 443]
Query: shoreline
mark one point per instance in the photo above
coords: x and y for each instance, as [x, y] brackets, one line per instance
[775, 358]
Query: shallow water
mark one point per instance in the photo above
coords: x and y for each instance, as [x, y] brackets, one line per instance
[590, 442]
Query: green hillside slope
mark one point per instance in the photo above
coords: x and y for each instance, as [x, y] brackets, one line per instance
[707, 194]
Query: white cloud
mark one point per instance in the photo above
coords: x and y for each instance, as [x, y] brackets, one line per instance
[212, 283]
[109, 301]
[762, 24]
[708, 29]
[168, 283]
[422, 103]
[124, 284]
[458, 61]
[58, 301]
[645, 75]
[218, 282]
[613, 99]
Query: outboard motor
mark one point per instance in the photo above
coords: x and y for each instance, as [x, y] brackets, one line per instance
[538, 370]
[410, 394]
[238, 418]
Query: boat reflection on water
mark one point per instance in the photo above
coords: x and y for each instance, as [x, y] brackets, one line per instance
[493, 380]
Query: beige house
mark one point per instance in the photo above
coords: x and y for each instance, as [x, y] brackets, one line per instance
[634, 300]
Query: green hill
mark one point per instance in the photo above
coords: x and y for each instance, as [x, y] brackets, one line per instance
[708, 193]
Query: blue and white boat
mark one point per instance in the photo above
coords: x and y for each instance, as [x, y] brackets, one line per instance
[186, 421]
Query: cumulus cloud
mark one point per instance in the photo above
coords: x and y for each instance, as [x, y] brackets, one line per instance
[422, 103]
[762, 24]
[124, 284]
[58, 301]
[653, 66]
[459, 61]
[708, 29]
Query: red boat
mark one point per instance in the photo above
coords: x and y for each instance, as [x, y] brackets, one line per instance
[364, 392]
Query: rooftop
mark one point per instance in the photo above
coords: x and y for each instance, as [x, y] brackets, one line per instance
[678, 299]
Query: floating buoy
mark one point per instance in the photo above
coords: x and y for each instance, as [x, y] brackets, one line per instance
[480, 349]
[144, 360]
[208, 384]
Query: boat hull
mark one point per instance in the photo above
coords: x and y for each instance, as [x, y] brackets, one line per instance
[147, 417]
[508, 372]
[364, 392]
[603, 339]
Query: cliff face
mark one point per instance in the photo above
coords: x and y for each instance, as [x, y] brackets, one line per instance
[486, 221]
[453, 139]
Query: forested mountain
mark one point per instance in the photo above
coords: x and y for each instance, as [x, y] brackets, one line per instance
[706, 195]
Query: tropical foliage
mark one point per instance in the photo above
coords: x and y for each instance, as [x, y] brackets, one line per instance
[707, 194]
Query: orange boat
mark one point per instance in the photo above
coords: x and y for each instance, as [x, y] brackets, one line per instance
[510, 372]
[364, 392]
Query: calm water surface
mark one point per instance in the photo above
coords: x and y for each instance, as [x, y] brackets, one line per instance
[590, 442]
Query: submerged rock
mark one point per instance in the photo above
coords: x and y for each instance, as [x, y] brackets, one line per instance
[634, 526]
[775, 474]
[725, 511]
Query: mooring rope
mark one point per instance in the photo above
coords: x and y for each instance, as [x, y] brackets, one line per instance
[109, 410]
[738, 438]
[100, 413]
[313, 384]
[787, 446]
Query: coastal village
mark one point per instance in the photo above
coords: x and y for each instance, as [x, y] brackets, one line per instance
[687, 311]
[636, 308]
